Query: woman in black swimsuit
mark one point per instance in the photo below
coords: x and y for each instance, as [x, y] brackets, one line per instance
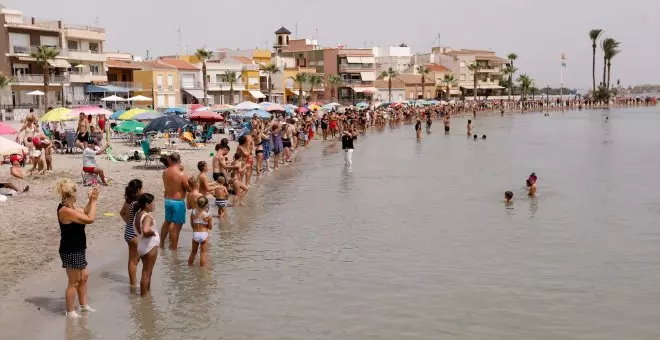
[324, 126]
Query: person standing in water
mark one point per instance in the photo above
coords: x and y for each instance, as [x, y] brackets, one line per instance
[418, 129]
[175, 181]
[201, 223]
[447, 122]
[131, 193]
[469, 127]
[145, 228]
[531, 184]
[347, 139]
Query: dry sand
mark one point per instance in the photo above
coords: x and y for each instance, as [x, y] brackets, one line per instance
[29, 232]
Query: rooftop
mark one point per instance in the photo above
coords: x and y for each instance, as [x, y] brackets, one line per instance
[384, 83]
[413, 79]
[436, 68]
[243, 60]
[180, 64]
[282, 30]
[469, 51]
[123, 64]
[154, 64]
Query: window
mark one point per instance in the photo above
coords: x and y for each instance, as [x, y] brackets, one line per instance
[320, 62]
[72, 45]
[312, 63]
[171, 101]
[289, 83]
[411, 95]
[160, 102]
[218, 78]
[94, 69]
[94, 47]
[462, 77]
[400, 97]
[48, 41]
[159, 82]
[428, 94]
[253, 81]
[462, 64]
[19, 42]
[20, 69]
[170, 81]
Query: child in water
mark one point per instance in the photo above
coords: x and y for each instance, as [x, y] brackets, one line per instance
[201, 224]
[508, 197]
[221, 196]
[194, 194]
[531, 184]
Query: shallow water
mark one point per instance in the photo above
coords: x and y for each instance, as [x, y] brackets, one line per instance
[415, 243]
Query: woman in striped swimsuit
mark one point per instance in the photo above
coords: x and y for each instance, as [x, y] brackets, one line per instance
[128, 210]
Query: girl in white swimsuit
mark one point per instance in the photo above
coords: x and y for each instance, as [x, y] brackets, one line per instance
[201, 224]
[145, 227]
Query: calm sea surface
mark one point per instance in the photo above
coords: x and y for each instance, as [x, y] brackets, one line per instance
[415, 243]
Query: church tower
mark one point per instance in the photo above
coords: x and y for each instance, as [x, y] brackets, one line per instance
[281, 39]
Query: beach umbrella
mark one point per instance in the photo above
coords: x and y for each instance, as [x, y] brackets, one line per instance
[9, 147]
[384, 104]
[396, 105]
[206, 116]
[128, 115]
[140, 99]
[147, 115]
[265, 104]
[313, 107]
[35, 93]
[274, 107]
[166, 123]
[56, 115]
[130, 126]
[362, 105]
[89, 111]
[6, 129]
[433, 102]
[302, 109]
[222, 108]
[194, 107]
[443, 102]
[247, 106]
[262, 114]
[116, 114]
[113, 98]
[175, 110]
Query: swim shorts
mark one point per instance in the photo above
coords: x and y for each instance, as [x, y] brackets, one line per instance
[175, 211]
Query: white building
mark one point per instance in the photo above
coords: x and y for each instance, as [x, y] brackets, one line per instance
[488, 76]
[399, 58]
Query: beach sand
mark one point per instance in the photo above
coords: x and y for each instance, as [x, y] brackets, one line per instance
[29, 231]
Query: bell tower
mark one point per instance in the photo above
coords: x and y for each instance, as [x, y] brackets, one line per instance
[281, 39]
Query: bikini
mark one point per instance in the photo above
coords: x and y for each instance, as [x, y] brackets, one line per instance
[199, 236]
[145, 244]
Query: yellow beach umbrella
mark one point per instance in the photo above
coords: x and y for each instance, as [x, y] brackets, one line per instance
[128, 115]
[57, 115]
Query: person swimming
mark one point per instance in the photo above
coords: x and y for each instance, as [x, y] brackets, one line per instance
[201, 225]
[483, 137]
[475, 137]
[531, 184]
[508, 197]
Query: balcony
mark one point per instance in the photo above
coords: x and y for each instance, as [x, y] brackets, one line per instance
[27, 50]
[87, 55]
[224, 86]
[84, 32]
[250, 67]
[32, 23]
[191, 84]
[38, 79]
[355, 67]
[490, 70]
[86, 76]
[351, 82]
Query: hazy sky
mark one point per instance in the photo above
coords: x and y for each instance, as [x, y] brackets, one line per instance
[538, 31]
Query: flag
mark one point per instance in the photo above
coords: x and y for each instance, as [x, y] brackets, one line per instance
[563, 59]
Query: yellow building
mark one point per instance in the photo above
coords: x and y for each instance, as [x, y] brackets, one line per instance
[261, 57]
[250, 77]
[159, 81]
[289, 85]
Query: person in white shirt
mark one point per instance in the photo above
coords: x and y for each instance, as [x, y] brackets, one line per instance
[89, 159]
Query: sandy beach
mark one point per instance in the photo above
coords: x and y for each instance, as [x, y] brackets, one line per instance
[28, 223]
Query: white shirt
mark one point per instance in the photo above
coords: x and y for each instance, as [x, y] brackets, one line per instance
[89, 158]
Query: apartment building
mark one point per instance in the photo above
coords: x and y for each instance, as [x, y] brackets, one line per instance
[80, 61]
[159, 81]
[488, 75]
[356, 67]
[399, 58]
[192, 87]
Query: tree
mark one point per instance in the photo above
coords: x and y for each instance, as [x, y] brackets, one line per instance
[231, 78]
[389, 74]
[510, 70]
[474, 68]
[448, 79]
[314, 81]
[203, 55]
[270, 69]
[42, 55]
[525, 84]
[610, 50]
[334, 81]
[594, 35]
[423, 71]
[4, 82]
[300, 79]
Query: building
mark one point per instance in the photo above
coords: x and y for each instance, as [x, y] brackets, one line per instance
[160, 81]
[356, 67]
[413, 86]
[259, 57]
[190, 78]
[81, 61]
[399, 58]
[488, 76]
[285, 89]
[437, 74]
[398, 90]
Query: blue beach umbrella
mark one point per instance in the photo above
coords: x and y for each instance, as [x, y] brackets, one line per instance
[362, 105]
[175, 110]
[116, 114]
[149, 115]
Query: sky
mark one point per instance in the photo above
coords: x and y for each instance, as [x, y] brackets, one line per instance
[537, 31]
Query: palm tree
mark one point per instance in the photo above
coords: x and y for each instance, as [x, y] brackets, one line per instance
[301, 79]
[449, 79]
[334, 81]
[525, 84]
[512, 57]
[610, 50]
[423, 71]
[203, 55]
[270, 69]
[510, 70]
[389, 74]
[231, 78]
[4, 82]
[594, 35]
[314, 81]
[43, 55]
[474, 67]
